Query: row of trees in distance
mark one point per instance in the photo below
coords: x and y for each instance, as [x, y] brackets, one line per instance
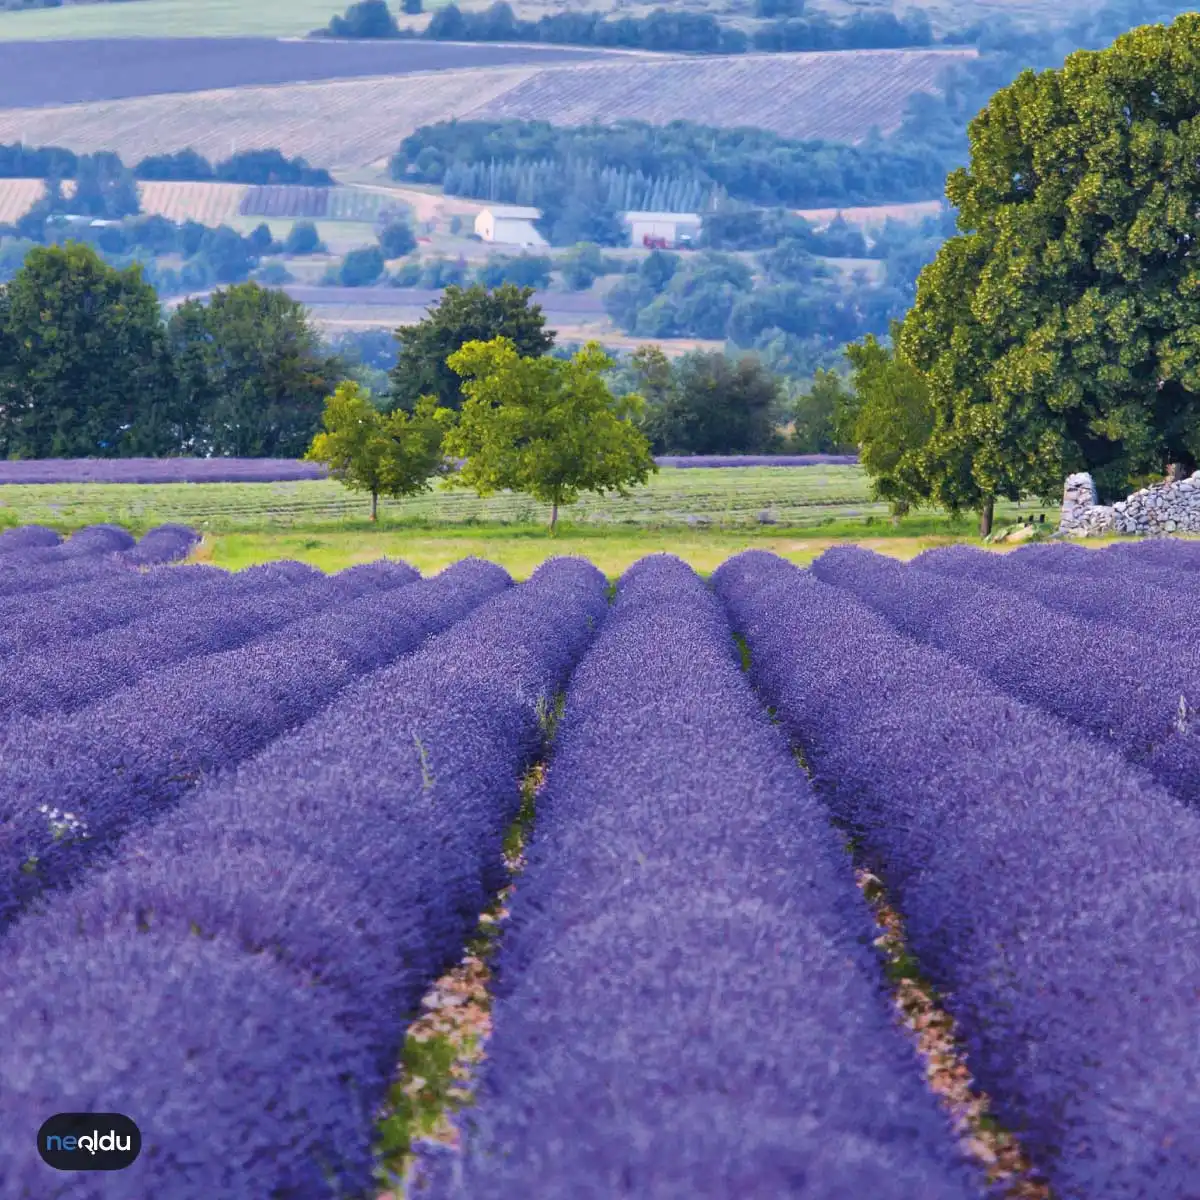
[661, 31]
[262, 167]
[90, 367]
[245, 373]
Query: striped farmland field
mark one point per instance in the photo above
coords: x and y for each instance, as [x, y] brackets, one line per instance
[350, 123]
[315, 203]
[284, 201]
[838, 96]
[17, 197]
[208, 203]
[217, 203]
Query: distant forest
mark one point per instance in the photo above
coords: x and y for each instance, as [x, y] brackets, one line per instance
[533, 162]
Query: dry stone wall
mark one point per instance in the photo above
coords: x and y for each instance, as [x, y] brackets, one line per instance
[1162, 509]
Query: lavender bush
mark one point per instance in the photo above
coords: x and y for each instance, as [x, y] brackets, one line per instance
[28, 537]
[34, 564]
[163, 544]
[310, 898]
[688, 975]
[70, 787]
[42, 619]
[97, 539]
[1174, 553]
[1045, 885]
[91, 605]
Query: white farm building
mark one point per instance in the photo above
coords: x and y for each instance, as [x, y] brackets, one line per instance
[510, 225]
[662, 228]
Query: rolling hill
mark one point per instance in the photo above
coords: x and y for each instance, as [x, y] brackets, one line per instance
[840, 96]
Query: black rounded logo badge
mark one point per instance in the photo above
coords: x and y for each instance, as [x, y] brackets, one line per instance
[89, 1141]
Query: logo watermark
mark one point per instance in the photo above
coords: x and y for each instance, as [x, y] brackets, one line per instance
[89, 1141]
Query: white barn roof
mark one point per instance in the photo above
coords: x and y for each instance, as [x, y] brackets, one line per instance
[514, 212]
[678, 218]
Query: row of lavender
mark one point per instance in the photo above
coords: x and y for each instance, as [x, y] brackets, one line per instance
[176, 696]
[689, 1004]
[279, 470]
[274, 953]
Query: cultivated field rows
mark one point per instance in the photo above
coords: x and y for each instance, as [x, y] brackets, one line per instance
[346, 123]
[251, 854]
[18, 196]
[217, 203]
[352, 123]
[824, 95]
[790, 494]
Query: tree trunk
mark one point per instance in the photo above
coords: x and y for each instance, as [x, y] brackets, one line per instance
[374, 504]
[985, 516]
[1176, 472]
[553, 517]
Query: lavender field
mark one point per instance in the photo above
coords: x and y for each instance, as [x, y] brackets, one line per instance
[41, 73]
[248, 822]
[281, 470]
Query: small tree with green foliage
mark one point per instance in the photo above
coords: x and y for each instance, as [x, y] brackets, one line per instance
[815, 415]
[544, 426]
[303, 238]
[887, 415]
[396, 239]
[366, 19]
[391, 454]
[362, 267]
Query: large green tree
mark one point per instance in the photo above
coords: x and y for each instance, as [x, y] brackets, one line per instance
[84, 367]
[463, 315]
[1060, 330]
[369, 451]
[544, 426]
[253, 375]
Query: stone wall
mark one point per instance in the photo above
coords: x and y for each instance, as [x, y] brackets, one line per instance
[1162, 509]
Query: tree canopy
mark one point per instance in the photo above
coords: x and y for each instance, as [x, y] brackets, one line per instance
[389, 454]
[707, 403]
[463, 315]
[1058, 330]
[252, 372]
[85, 368]
[544, 426]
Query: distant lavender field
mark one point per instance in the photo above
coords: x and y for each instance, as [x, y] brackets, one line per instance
[758, 460]
[158, 470]
[278, 470]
